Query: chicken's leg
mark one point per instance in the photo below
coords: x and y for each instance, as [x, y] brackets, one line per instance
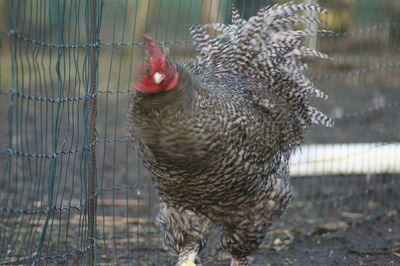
[185, 231]
[187, 257]
[241, 242]
[244, 233]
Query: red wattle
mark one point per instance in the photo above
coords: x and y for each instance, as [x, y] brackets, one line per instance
[172, 84]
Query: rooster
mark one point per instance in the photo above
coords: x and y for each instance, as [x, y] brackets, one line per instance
[217, 131]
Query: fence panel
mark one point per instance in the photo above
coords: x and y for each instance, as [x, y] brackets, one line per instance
[65, 74]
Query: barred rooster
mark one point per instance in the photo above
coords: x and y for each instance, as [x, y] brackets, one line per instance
[217, 131]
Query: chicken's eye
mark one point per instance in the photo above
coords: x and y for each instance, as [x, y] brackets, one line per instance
[158, 77]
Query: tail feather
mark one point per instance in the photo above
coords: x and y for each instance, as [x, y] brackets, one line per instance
[302, 52]
[319, 118]
[237, 20]
[265, 48]
[295, 19]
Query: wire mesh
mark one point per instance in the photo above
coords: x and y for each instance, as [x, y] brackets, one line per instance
[45, 96]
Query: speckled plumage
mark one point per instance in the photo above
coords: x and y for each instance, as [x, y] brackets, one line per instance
[218, 144]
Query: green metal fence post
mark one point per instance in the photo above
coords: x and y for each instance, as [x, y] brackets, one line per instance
[92, 195]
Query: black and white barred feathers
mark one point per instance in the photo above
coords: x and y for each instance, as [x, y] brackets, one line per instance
[217, 131]
[267, 49]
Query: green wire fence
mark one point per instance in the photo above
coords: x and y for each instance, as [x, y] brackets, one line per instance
[72, 190]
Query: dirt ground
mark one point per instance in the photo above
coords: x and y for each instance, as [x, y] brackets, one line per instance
[371, 242]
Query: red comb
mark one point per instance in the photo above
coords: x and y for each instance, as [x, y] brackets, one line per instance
[157, 56]
[158, 63]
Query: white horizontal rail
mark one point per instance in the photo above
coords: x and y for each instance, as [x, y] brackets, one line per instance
[346, 158]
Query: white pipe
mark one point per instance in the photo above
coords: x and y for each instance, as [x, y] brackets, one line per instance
[346, 158]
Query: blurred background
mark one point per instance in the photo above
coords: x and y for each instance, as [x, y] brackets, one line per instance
[346, 174]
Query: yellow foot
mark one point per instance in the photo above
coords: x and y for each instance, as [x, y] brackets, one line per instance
[189, 264]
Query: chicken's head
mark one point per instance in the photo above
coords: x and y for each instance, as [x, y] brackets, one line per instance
[158, 75]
